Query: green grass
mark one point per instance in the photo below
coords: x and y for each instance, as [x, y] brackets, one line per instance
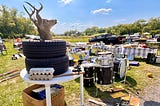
[6, 62]
[137, 76]
[73, 39]
[11, 91]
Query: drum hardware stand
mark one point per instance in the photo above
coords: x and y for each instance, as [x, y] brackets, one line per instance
[124, 80]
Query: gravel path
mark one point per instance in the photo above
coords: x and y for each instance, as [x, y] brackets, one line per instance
[151, 95]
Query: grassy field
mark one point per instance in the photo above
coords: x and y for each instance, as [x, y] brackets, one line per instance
[73, 39]
[11, 90]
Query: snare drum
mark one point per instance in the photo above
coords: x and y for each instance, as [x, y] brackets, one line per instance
[104, 75]
[106, 60]
[89, 69]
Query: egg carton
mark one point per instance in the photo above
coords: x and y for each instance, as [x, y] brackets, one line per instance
[41, 73]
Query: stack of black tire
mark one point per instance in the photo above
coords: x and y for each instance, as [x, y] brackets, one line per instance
[42, 54]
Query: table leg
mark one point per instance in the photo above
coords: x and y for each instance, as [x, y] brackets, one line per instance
[48, 95]
[81, 90]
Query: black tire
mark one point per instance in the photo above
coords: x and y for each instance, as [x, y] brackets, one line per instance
[148, 58]
[44, 49]
[151, 58]
[60, 64]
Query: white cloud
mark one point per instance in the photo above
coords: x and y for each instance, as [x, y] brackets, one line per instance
[102, 11]
[65, 1]
[108, 1]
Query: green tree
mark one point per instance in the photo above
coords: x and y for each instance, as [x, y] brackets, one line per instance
[13, 24]
[91, 31]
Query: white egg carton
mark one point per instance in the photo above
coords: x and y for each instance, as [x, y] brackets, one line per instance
[41, 73]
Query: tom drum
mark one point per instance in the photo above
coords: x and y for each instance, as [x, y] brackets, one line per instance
[104, 75]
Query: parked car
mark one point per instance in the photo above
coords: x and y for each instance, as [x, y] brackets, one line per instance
[99, 38]
[33, 37]
[158, 38]
[108, 39]
[154, 39]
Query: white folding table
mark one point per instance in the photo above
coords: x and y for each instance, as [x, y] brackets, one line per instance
[56, 80]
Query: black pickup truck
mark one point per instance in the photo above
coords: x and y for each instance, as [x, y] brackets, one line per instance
[108, 39]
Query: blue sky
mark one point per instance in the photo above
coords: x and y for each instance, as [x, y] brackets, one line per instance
[81, 14]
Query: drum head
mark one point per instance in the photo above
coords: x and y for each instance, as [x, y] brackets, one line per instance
[123, 65]
[88, 65]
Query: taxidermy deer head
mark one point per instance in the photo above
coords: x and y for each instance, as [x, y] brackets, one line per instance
[43, 25]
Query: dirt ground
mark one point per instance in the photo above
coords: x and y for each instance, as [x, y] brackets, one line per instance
[151, 94]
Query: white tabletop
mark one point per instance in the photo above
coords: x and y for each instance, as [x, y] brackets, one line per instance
[57, 80]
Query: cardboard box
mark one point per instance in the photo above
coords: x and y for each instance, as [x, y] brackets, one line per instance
[57, 98]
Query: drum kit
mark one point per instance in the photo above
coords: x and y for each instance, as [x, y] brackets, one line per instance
[103, 70]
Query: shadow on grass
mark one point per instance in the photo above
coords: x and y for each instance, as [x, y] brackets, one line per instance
[103, 92]
[151, 103]
[104, 95]
[156, 64]
[131, 81]
[140, 59]
[144, 60]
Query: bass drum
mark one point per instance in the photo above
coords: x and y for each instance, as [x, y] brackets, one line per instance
[120, 68]
[104, 75]
[123, 67]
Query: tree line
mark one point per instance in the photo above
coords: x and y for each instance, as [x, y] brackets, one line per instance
[14, 24]
[141, 26]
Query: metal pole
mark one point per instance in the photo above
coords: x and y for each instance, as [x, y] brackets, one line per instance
[81, 90]
[48, 94]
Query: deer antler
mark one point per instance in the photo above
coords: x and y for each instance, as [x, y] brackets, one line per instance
[43, 25]
[30, 14]
[39, 19]
[38, 10]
